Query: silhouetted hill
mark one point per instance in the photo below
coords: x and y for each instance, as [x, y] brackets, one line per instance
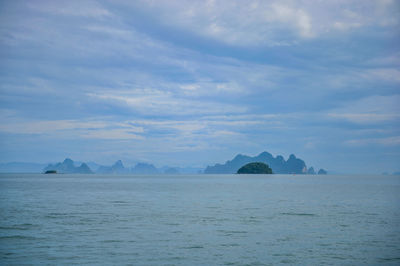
[83, 169]
[144, 168]
[311, 171]
[322, 172]
[68, 167]
[278, 164]
[116, 168]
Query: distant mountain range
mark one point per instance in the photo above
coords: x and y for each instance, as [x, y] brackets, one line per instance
[278, 164]
[68, 166]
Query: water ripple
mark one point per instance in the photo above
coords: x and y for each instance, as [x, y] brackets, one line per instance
[298, 214]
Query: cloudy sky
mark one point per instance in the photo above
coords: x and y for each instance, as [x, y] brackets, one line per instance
[192, 83]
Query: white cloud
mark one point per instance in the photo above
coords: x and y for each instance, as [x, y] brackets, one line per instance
[85, 8]
[111, 134]
[383, 74]
[340, 25]
[225, 133]
[294, 17]
[238, 23]
[375, 104]
[254, 23]
[110, 31]
[369, 110]
[92, 129]
[385, 61]
[153, 101]
[365, 118]
[385, 141]
[43, 127]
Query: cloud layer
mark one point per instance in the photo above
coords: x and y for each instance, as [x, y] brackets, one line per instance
[196, 82]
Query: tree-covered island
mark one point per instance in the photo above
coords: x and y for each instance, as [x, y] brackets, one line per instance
[255, 168]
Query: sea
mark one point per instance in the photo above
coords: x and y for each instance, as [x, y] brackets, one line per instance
[199, 219]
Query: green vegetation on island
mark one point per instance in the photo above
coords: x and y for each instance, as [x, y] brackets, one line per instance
[51, 172]
[255, 168]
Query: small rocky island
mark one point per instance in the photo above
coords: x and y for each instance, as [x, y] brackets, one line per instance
[51, 172]
[255, 168]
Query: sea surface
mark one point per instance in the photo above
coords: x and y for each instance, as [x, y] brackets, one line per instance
[199, 220]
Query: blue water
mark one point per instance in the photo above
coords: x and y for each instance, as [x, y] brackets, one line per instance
[199, 220]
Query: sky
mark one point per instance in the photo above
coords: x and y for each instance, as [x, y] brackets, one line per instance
[193, 83]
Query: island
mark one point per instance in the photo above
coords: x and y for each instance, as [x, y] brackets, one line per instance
[322, 172]
[255, 168]
[51, 172]
[68, 167]
[278, 164]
